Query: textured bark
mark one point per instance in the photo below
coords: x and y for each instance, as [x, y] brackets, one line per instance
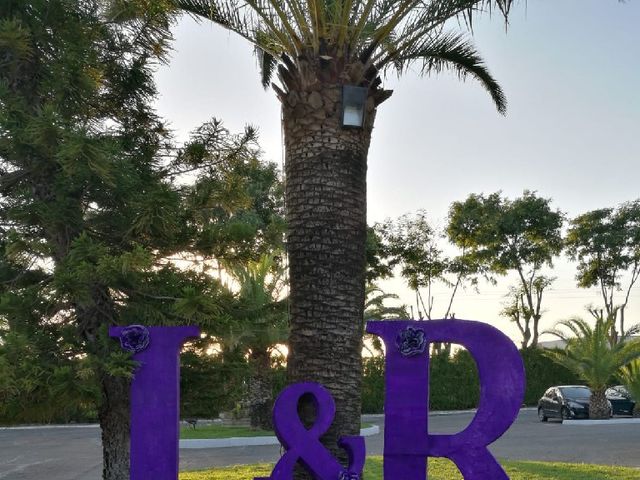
[636, 410]
[114, 408]
[598, 405]
[260, 396]
[114, 422]
[325, 188]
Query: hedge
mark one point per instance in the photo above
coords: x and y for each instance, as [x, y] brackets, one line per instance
[454, 380]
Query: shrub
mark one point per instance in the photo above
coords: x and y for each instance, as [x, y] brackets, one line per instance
[454, 380]
[542, 373]
[210, 385]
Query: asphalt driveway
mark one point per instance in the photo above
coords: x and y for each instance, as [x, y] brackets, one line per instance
[73, 453]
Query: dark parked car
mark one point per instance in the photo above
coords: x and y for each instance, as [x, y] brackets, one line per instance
[564, 402]
[621, 401]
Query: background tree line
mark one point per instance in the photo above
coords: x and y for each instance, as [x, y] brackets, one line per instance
[490, 236]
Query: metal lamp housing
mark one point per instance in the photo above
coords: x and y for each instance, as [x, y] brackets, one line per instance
[354, 100]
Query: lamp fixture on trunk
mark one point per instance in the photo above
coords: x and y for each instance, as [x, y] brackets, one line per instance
[354, 100]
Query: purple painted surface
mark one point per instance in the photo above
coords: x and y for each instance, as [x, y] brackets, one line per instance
[407, 443]
[155, 403]
[304, 445]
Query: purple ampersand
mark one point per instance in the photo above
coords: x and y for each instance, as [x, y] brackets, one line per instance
[304, 445]
[406, 441]
[155, 398]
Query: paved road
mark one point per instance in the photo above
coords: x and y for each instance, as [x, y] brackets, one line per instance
[74, 453]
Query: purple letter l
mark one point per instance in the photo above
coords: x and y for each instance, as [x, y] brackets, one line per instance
[155, 404]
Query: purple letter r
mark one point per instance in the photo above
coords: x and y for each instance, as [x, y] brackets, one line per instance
[407, 443]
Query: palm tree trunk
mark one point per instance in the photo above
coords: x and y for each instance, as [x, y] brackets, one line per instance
[598, 405]
[325, 188]
[260, 396]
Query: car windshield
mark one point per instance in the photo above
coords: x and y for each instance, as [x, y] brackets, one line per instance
[619, 391]
[575, 392]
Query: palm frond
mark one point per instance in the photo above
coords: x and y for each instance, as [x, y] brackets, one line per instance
[204, 9]
[451, 51]
[226, 13]
[589, 352]
[375, 33]
[630, 377]
[267, 64]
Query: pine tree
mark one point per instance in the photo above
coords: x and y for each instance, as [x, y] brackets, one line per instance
[88, 211]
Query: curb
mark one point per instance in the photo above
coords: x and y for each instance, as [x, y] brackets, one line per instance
[614, 421]
[437, 413]
[250, 441]
[43, 427]
[366, 417]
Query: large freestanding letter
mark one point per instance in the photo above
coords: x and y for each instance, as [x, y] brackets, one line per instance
[304, 445]
[407, 443]
[155, 398]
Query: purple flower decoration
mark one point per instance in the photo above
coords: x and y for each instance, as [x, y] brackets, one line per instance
[411, 342]
[134, 338]
[347, 475]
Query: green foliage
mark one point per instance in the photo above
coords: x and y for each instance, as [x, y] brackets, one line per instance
[222, 431]
[506, 234]
[38, 384]
[542, 372]
[377, 267]
[96, 202]
[454, 380]
[376, 307]
[278, 374]
[630, 377]
[590, 352]
[453, 383]
[606, 245]
[444, 469]
[236, 203]
[211, 384]
[259, 316]
[411, 243]
[499, 236]
[373, 384]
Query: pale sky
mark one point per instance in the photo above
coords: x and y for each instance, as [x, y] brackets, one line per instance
[571, 73]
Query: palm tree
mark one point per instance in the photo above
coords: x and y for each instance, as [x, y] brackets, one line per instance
[630, 377]
[376, 308]
[260, 324]
[591, 355]
[317, 47]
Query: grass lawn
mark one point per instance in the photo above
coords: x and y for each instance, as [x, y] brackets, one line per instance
[226, 431]
[221, 431]
[442, 469]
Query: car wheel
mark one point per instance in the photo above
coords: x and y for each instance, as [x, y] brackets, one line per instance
[565, 414]
[541, 416]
